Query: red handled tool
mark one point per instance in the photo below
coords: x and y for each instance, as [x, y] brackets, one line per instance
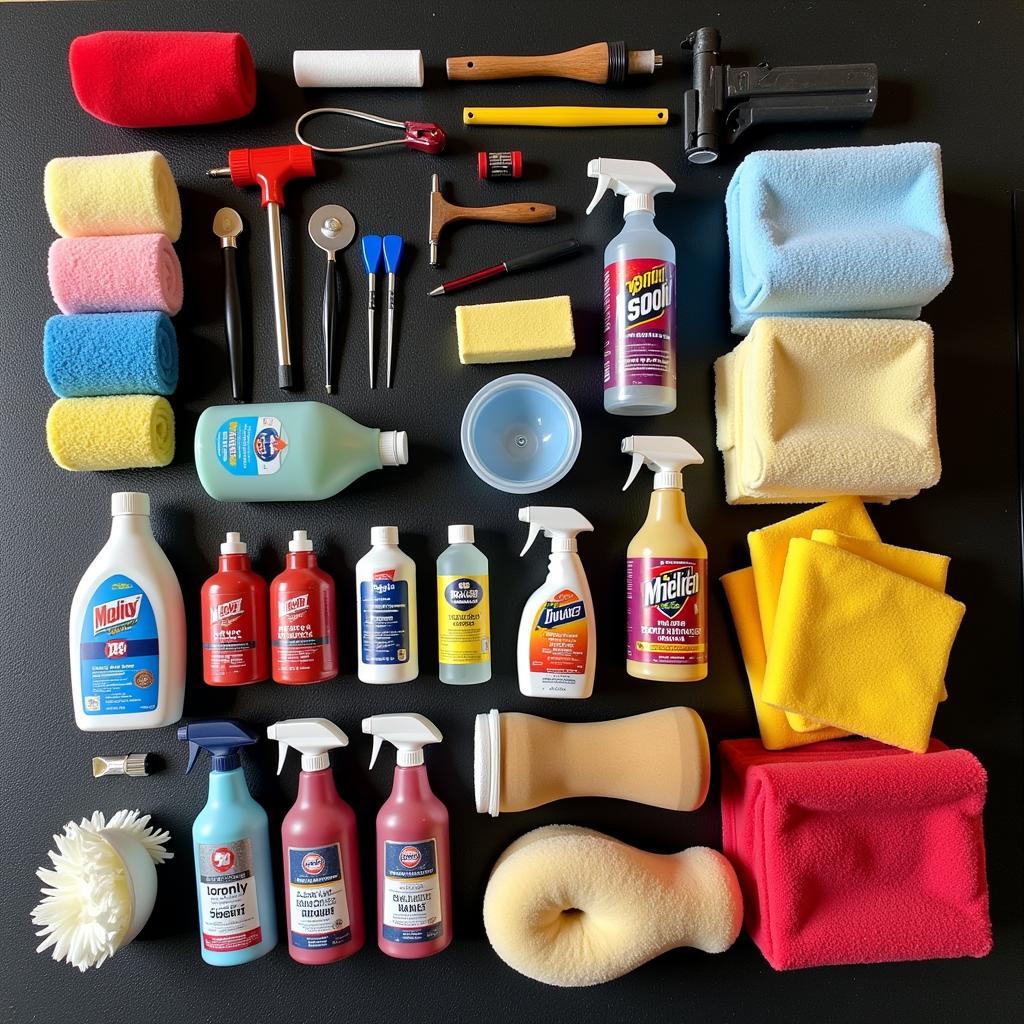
[272, 167]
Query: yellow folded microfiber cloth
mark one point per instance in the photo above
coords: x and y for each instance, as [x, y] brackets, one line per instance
[776, 732]
[811, 408]
[858, 646]
[120, 194]
[769, 546]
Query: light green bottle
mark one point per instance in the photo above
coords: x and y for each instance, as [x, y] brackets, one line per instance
[288, 451]
[463, 610]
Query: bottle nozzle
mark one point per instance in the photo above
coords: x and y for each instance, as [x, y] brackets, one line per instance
[666, 457]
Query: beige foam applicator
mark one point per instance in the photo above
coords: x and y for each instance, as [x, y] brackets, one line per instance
[571, 907]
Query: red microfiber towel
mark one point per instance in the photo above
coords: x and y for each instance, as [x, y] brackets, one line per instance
[163, 79]
[852, 852]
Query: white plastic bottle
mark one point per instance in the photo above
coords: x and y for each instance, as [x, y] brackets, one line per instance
[639, 293]
[127, 629]
[557, 648]
[463, 610]
[386, 635]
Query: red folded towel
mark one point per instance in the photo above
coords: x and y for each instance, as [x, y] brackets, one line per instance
[163, 79]
[853, 852]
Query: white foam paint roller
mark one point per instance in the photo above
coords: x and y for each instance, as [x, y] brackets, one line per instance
[354, 69]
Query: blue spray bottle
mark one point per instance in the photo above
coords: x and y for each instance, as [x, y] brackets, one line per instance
[230, 838]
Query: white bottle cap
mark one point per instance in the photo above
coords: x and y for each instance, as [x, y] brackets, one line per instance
[300, 542]
[129, 503]
[393, 447]
[387, 535]
[234, 545]
[461, 535]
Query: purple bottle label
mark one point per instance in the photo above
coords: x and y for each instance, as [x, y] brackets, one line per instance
[667, 622]
[640, 324]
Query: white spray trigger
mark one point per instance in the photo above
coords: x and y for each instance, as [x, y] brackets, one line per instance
[377, 741]
[665, 456]
[603, 180]
[313, 738]
[638, 462]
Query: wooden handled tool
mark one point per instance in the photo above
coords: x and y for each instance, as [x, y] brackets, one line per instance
[443, 213]
[599, 63]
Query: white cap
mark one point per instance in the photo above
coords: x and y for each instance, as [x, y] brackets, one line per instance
[312, 737]
[234, 545]
[387, 535]
[487, 763]
[560, 524]
[666, 457]
[408, 732]
[129, 503]
[461, 534]
[300, 541]
[393, 447]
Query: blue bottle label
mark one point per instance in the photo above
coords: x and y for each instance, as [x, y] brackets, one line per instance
[119, 653]
[411, 905]
[384, 619]
[229, 908]
[251, 445]
[317, 900]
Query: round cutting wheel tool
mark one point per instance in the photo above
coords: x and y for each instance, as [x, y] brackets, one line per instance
[332, 228]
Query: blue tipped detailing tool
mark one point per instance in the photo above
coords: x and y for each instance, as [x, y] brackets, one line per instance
[392, 257]
[372, 249]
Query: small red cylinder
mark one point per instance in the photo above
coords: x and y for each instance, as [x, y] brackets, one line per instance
[303, 622]
[234, 612]
[490, 166]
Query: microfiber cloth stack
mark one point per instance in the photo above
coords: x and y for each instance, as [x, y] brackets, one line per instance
[841, 633]
[808, 409]
[850, 852]
[845, 232]
[93, 354]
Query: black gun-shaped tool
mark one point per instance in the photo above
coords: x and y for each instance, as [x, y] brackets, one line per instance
[725, 101]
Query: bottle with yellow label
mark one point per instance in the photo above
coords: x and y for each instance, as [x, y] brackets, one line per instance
[463, 610]
[666, 571]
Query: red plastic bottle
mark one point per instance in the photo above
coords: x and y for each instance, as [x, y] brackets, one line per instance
[235, 648]
[320, 850]
[414, 879]
[303, 618]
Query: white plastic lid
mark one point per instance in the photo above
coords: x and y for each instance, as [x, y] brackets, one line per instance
[234, 545]
[393, 447]
[462, 534]
[387, 535]
[487, 763]
[300, 542]
[129, 503]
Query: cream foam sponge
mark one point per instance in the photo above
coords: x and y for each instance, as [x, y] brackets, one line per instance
[120, 194]
[119, 432]
[571, 907]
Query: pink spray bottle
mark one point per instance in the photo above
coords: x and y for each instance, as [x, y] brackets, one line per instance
[414, 901]
[322, 891]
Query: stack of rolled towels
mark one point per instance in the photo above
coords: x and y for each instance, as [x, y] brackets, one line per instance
[840, 633]
[832, 254]
[111, 356]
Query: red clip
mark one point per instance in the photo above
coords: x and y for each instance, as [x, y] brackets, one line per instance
[425, 137]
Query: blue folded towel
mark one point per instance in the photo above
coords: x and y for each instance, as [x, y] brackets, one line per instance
[88, 354]
[858, 231]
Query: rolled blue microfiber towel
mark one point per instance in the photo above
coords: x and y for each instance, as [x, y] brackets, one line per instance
[856, 231]
[89, 354]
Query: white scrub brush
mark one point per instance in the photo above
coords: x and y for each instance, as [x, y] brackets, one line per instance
[101, 889]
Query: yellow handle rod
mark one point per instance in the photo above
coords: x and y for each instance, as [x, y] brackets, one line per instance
[565, 117]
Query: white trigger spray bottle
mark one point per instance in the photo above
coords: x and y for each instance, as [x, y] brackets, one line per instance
[639, 293]
[557, 648]
[414, 890]
[666, 570]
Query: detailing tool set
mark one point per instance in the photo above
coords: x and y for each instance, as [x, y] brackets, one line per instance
[828, 401]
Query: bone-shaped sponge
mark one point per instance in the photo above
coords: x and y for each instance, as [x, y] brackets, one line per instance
[571, 907]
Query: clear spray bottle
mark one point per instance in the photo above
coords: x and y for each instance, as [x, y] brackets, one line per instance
[639, 293]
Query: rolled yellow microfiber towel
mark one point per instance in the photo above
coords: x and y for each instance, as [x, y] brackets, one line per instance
[122, 432]
[858, 646]
[773, 724]
[119, 194]
[808, 408]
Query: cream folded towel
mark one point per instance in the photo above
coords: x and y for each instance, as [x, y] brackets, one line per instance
[808, 409]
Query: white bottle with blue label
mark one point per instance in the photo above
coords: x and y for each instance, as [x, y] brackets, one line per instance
[127, 629]
[386, 636]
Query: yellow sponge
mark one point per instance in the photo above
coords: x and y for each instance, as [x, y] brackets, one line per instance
[121, 194]
[513, 332]
[122, 432]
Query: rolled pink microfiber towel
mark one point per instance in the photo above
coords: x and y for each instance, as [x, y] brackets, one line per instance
[852, 852]
[115, 274]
